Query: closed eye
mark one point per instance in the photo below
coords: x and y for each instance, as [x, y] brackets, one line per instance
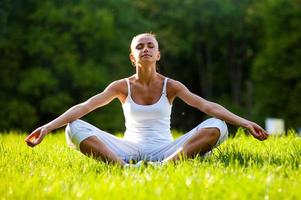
[150, 45]
[139, 46]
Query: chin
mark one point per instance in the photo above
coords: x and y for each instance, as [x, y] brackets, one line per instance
[147, 62]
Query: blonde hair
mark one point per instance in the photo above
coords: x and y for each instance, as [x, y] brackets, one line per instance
[143, 34]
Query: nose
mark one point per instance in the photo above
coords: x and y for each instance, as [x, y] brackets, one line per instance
[145, 49]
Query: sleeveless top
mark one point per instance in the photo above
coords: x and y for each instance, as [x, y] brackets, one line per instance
[147, 125]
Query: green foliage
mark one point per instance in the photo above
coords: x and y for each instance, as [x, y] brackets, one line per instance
[208, 45]
[241, 168]
[61, 53]
[54, 54]
[18, 114]
[277, 68]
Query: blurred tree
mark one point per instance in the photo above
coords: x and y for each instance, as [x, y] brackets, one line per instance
[208, 45]
[54, 54]
[62, 53]
[16, 112]
[277, 68]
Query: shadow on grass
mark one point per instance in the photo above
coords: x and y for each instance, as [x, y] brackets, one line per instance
[233, 156]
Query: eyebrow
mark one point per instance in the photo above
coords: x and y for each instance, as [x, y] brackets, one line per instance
[145, 43]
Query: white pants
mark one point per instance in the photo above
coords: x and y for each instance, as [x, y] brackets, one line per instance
[79, 130]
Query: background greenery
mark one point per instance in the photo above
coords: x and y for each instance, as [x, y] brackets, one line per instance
[243, 54]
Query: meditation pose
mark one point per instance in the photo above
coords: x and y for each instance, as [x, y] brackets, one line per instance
[146, 98]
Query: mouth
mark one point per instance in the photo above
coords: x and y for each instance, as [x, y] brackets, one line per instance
[145, 55]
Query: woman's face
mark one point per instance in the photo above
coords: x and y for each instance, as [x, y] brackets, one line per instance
[144, 50]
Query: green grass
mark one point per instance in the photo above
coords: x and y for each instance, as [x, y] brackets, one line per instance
[241, 168]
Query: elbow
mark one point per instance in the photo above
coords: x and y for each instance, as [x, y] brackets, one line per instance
[208, 110]
[85, 108]
[81, 109]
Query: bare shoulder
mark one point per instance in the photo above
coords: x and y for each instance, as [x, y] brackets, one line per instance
[174, 86]
[118, 86]
[174, 89]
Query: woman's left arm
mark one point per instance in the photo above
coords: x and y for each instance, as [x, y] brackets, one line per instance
[217, 111]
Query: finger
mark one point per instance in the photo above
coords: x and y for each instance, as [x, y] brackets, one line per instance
[263, 137]
[30, 144]
[260, 132]
[254, 133]
[32, 134]
[37, 141]
[258, 135]
[31, 140]
[41, 135]
[40, 138]
[28, 137]
[264, 134]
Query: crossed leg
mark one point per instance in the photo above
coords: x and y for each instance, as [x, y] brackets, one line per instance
[92, 146]
[84, 139]
[92, 141]
[202, 142]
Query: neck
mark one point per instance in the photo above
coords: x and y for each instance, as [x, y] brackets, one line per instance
[146, 73]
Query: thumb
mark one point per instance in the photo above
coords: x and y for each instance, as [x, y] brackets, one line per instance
[41, 136]
[32, 135]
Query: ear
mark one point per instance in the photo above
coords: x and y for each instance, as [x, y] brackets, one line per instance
[158, 56]
[132, 59]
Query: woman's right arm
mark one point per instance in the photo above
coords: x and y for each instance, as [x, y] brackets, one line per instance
[75, 112]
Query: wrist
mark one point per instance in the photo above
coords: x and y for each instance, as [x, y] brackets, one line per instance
[47, 127]
[245, 123]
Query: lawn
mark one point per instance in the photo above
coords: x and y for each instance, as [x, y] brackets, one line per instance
[241, 168]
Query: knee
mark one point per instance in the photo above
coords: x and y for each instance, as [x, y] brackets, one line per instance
[71, 127]
[70, 131]
[212, 134]
[223, 129]
[220, 125]
[209, 135]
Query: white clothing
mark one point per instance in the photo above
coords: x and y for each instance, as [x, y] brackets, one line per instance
[147, 125]
[147, 135]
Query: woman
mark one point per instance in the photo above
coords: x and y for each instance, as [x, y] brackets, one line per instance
[146, 99]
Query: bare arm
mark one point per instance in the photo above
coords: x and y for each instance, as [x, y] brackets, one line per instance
[75, 112]
[84, 108]
[217, 111]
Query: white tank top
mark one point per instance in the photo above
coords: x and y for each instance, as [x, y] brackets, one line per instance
[147, 125]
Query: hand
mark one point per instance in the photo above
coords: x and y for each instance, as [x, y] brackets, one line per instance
[257, 132]
[36, 137]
